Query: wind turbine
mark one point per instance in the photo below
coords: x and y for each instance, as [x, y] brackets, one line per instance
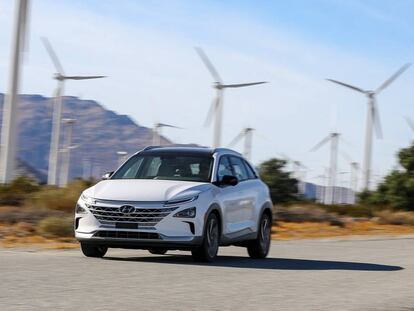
[156, 132]
[354, 170]
[216, 108]
[410, 123]
[247, 135]
[372, 119]
[334, 139]
[57, 111]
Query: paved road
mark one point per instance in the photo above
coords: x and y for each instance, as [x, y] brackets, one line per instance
[299, 275]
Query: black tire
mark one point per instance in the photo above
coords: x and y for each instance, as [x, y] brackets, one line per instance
[259, 248]
[207, 251]
[157, 251]
[97, 251]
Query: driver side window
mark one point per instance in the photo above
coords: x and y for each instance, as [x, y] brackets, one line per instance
[224, 168]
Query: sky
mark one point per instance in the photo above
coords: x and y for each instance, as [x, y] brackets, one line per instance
[146, 48]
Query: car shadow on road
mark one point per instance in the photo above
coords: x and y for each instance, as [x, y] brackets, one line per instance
[268, 263]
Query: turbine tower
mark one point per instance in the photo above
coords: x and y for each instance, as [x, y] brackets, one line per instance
[334, 139]
[216, 108]
[373, 120]
[10, 108]
[57, 111]
[121, 156]
[157, 132]
[64, 172]
[247, 135]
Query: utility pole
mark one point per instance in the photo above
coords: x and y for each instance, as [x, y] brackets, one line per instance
[10, 109]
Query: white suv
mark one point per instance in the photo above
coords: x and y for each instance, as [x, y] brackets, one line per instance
[185, 198]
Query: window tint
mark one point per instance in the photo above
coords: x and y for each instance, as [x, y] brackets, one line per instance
[239, 168]
[250, 172]
[224, 168]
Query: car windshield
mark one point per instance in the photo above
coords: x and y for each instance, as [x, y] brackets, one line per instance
[168, 167]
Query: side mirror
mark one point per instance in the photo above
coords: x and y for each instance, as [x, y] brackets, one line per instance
[229, 180]
[107, 175]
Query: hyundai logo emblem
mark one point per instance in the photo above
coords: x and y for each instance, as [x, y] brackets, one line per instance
[127, 209]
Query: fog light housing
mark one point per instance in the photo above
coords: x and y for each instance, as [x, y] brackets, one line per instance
[186, 213]
[80, 210]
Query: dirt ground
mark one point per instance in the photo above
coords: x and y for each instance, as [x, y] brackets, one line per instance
[24, 235]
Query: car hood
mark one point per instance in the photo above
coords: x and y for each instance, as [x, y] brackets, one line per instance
[145, 190]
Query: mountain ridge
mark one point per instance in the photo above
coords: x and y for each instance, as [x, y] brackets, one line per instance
[99, 133]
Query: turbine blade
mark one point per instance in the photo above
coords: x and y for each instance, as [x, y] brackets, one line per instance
[83, 77]
[393, 77]
[168, 125]
[410, 123]
[236, 139]
[377, 121]
[212, 110]
[242, 84]
[208, 64]
[52, 55]
[348, 86]
[321, 143]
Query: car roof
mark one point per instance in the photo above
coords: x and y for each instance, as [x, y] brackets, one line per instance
[187, 150]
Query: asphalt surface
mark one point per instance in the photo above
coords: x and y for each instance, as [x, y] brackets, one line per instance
[299, 275]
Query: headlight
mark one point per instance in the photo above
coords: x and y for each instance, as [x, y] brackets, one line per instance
[186, 213]
[87, 200]
[80, 210]
[181, 201]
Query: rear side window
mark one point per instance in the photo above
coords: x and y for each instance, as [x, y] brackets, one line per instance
[239, 168]
[250, 171]
[224, 168]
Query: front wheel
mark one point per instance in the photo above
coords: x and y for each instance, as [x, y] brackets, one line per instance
[93, 251]
[259, 248]
[207, 251]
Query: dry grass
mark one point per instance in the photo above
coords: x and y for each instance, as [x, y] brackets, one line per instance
[312, 230]
[395, 218]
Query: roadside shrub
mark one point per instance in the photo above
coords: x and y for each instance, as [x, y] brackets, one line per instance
[388, 217]
[17, 191]
[13, 214]
[62, 199]
[55, 226]
[306, 213]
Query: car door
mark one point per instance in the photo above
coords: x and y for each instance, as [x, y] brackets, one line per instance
[229, 198]
[246, 191]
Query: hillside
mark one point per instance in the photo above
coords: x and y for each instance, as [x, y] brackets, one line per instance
[98, 132]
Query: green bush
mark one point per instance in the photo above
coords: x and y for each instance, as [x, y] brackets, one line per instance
[55, 226]
[62, 199]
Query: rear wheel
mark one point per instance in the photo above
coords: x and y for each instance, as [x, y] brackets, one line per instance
[157, 251]
[259, 248]
[207, 252]
[97, 251]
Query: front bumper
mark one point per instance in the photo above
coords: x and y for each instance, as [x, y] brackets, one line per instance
[167, 232]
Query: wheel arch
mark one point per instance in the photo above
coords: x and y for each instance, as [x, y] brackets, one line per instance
[267, 207]
[215, 208]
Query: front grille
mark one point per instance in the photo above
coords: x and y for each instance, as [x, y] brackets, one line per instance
[127, 235]
[144, 217]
